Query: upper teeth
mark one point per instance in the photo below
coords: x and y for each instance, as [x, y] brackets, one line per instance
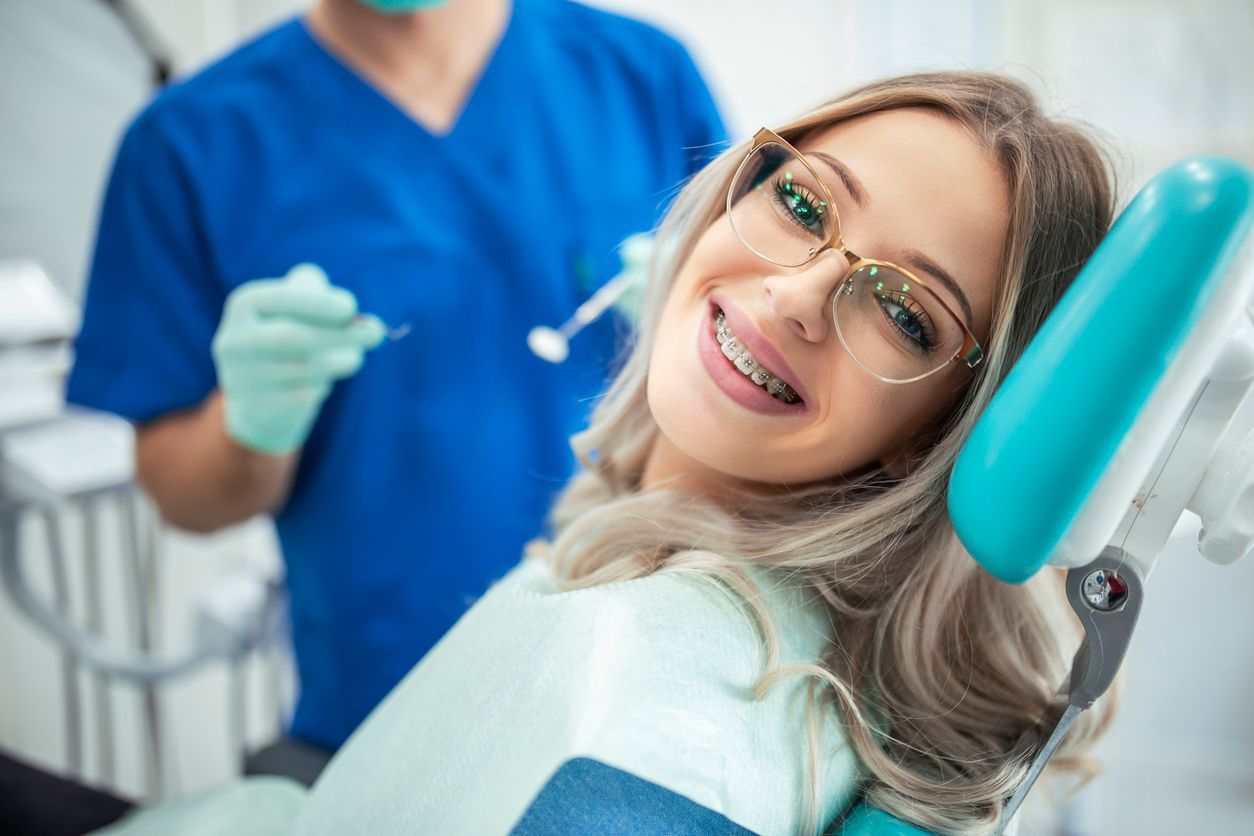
[748, 366]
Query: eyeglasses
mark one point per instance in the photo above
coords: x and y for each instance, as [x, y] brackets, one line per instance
[893, 324]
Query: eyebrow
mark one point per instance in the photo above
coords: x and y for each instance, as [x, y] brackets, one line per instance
[919, 261]
[914, 258]
[853, 184]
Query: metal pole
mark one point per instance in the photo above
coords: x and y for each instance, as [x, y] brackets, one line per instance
[69, 662]
[143, 640]
[95, 624]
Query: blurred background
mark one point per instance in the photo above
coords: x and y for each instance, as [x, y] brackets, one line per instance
[1157, 79]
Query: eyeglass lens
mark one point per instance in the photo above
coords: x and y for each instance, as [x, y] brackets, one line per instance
[893, 326]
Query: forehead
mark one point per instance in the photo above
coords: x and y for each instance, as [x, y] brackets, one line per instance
[930, 187]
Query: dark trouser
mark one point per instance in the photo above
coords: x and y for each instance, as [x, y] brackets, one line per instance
[37, 803]
[34, 802]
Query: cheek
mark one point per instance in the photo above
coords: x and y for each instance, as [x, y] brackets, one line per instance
[912, 418]
[718, 253]
[855, 434]
[672, 388]
[869, 422]
[663, 388]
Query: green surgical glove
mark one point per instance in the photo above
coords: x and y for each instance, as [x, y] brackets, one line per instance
[280, 346]
[636, 252]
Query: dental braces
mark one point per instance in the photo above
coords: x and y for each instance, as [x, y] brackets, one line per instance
[748, 366]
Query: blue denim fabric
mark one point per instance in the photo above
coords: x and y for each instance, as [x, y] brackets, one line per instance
[586, 796]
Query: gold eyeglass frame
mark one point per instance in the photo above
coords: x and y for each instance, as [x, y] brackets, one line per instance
[971, 353]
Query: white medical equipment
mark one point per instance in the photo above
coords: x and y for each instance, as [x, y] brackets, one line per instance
[60, 466]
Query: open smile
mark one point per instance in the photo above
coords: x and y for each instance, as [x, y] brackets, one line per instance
[733, 352]
[748, 365]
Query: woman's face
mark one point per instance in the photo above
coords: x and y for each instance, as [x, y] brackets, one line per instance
[927, 188]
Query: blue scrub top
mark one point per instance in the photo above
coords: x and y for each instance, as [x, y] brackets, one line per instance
[427, 471]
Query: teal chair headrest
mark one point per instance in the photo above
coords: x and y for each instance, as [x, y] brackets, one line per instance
[1059, 418]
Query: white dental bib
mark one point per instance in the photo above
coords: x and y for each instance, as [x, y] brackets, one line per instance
[651, 676]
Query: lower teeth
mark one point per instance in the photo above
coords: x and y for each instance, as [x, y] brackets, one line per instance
[746, 365]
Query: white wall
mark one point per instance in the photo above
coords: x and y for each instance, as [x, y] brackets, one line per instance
[71, 77]
[1160, 78]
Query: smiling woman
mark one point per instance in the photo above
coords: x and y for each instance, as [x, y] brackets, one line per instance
[821, 441]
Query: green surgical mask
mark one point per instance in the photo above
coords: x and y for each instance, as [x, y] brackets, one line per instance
[398, 7]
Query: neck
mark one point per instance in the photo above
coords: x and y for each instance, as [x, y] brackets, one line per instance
[426, 62]
[398, 47]
[669, 468]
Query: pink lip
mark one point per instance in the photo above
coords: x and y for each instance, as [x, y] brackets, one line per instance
[734, 384]
[751, 338]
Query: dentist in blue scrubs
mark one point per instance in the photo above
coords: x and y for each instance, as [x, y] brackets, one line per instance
[464, 168]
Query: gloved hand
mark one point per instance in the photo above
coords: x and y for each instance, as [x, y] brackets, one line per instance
[280, 346]
[636, 251]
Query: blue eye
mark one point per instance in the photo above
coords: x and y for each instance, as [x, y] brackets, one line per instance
[800, 205]
[909, 321]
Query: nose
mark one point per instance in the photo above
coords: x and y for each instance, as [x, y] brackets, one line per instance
[802, 297]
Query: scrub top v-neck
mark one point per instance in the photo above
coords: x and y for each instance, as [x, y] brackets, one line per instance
[474, 122]
[428, 470]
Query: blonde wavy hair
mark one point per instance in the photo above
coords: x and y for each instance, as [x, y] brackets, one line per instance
[944, 679]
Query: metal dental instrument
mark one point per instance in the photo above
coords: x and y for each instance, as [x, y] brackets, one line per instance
[399, 331]
[553, 344]
[390, 333]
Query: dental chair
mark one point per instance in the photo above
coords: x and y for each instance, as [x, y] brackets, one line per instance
[1132, 406]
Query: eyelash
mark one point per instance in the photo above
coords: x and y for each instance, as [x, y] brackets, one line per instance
[927, 339]
[782, 188]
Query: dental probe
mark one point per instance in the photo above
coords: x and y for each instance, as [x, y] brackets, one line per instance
[553, 344]
[389, 332]
[399, 331]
